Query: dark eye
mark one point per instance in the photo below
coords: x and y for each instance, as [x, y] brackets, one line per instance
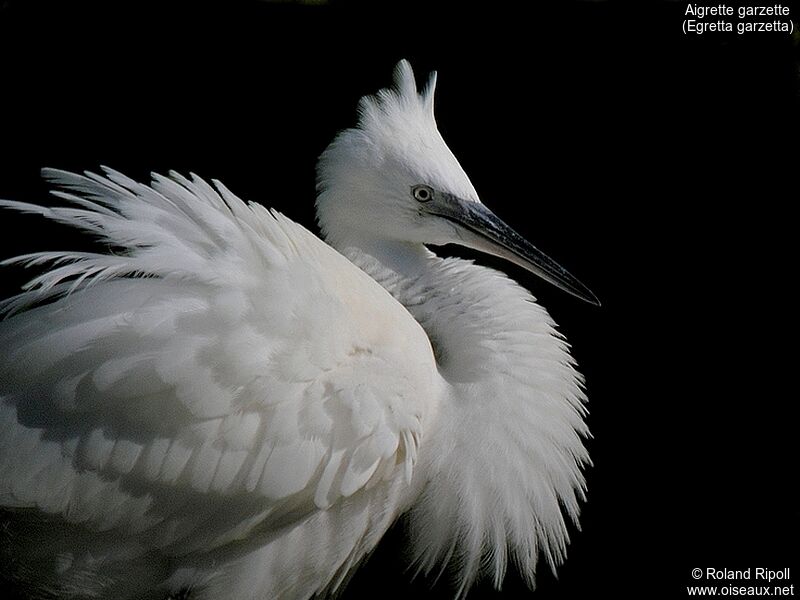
[422, 193]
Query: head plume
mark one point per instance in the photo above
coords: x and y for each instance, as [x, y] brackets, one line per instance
[401, 108]
[365, 174]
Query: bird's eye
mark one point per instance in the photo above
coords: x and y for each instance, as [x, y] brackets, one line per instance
[422, 193]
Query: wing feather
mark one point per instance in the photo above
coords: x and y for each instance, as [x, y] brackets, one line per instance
[208, 380]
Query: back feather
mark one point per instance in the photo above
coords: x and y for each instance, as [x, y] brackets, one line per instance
[178, 405]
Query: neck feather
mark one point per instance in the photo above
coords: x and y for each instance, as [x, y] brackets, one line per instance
[506, 453]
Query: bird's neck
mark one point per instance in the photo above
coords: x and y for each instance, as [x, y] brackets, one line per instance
[462, 307]
[415, 277]
[504, 456]
[388, 262]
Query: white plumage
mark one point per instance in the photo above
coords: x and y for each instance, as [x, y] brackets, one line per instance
[225, 403]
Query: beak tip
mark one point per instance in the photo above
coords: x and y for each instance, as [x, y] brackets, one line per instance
[581, 292]
[589, 298]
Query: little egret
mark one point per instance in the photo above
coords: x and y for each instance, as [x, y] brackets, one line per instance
[224, 405]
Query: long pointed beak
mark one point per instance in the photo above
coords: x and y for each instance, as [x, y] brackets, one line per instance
[480, 229]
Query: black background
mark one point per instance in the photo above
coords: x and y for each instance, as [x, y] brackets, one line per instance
[660, 169]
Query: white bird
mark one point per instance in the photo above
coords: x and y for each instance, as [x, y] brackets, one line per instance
[226, 404]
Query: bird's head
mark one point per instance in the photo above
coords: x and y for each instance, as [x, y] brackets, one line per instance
[393, 179]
